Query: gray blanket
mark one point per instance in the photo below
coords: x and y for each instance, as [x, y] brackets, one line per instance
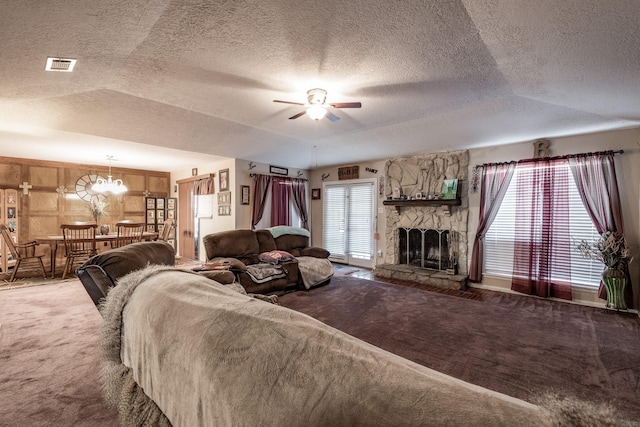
[314, 271]
[263, 272]
[184, 350]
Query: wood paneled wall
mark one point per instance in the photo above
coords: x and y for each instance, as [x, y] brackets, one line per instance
[43, 210]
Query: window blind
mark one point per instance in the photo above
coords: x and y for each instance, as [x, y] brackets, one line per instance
[499, 240]
[360, 221]
[334, 220]
[204, 206]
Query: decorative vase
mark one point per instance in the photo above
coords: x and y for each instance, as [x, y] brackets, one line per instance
[615, 281]
[104, 229]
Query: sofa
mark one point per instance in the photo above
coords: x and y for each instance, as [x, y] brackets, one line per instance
[182, 350]
[269, 260]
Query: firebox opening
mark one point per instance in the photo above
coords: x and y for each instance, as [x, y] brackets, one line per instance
[427, 248]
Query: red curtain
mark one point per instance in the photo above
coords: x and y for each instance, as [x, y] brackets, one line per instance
[280, 199]
[261, 187]
[595, 177]
[283, 190]
[299, 194]
[495, 181]
[542, 247]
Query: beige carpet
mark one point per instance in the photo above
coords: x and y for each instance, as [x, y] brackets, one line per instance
[32, 281]
[50, 358]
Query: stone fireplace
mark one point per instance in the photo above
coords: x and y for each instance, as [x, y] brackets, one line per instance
[426, 240]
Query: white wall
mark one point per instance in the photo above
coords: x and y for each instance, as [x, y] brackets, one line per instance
[331, 174]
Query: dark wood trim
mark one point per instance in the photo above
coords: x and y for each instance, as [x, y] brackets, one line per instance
[433, 202]
[425, 203]
[566, 156]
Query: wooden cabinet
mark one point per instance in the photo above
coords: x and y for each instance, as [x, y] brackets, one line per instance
[157, 211]
[8, 215]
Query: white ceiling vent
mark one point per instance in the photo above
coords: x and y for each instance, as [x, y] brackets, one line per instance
[60, 64]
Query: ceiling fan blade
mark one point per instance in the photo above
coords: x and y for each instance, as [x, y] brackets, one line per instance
[332, 117]
[347, 105]
[298, 115]
[287, 102]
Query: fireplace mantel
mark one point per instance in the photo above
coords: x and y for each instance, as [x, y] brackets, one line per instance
[426, 203]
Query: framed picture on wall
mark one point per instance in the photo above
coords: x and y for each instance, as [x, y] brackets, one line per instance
[315, 194]
[171, 203]
[245, 195]
[277, 170]
[224, 198]
[224, 210]
[224, 179]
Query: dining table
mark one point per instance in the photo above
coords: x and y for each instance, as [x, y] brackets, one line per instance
[55, 240]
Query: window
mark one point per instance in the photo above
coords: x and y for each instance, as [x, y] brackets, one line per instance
[265, 221]
[348, 221]
[499, 240]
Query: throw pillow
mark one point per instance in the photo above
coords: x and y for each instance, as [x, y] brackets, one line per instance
[275, 257]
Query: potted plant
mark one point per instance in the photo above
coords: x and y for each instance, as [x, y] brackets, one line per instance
[611, 250]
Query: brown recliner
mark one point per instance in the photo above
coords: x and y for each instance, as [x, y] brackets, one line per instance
[100, 272]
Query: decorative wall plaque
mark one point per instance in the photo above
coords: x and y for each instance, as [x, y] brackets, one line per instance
[348, 172]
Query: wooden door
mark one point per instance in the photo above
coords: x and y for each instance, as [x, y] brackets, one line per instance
[186, 243]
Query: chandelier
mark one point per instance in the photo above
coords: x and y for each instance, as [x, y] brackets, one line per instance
[109, 185]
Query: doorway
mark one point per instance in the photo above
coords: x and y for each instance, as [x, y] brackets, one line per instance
[349, 221]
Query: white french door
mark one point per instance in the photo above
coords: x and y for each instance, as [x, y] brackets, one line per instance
[348, 221]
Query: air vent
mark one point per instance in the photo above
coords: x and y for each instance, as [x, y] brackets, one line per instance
[60, 64]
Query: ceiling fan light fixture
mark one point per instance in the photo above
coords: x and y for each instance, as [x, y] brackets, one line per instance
[316, 96]
[317, 107]
[316, 112]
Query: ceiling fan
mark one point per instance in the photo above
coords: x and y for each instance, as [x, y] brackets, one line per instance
[317, 107]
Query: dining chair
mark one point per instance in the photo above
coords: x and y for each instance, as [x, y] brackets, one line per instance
[167, 227]
[79, 243]
[127, 233]
[21, 252]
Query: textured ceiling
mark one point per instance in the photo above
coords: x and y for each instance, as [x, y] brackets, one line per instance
[164, 84]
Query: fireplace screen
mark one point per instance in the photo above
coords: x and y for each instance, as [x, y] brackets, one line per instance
[427, 248]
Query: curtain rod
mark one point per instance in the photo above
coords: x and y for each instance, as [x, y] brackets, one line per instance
[566, 156]
[277, 176]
